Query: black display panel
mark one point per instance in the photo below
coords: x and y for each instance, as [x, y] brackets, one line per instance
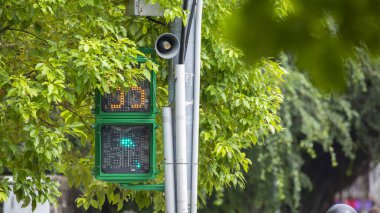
[125, 148]
[136, 99]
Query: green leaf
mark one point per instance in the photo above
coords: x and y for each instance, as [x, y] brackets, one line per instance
[50, 89]
[94, 204]
[86, 47]
[224, 97]
[34, 204]
[3, 196]
[121, 7]
[119, 205]
[76, 125]
[26, 202]
[101, 198]
[146, 74]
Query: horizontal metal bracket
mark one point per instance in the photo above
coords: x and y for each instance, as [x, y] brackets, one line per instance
[144, 187]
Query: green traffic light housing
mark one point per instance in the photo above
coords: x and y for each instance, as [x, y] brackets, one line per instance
[136, 102]
[125, 132]
[125, 150]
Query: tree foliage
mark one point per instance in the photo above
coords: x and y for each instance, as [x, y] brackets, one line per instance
[328, 141]
[238, 104]
[55, 53]
[321, 33]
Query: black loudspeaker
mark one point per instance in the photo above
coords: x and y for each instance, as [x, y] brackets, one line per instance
[167, 45]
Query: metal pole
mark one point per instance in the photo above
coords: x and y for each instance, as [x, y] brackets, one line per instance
[175, 28]
[181, 156]
[197, 79]
[169, 159]
[189, 97]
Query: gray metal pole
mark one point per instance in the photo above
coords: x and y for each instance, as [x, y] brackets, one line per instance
[189, 68]
[181, 155]
[192, 66]
[175, 28]
[197, 79]
[169, 160]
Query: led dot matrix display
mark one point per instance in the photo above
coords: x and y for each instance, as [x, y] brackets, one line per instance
[136, 99]
[125, 148]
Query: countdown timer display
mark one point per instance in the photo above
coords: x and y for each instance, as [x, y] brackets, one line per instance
[125, 148]
[135, 99]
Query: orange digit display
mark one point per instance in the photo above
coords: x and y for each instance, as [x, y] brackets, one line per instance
[121, 98]
[133, 99]
[142, 98]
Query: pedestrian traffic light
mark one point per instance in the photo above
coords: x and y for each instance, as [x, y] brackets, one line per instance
[125, 127]
[125, 150]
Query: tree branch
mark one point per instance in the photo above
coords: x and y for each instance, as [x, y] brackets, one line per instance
[8, 45]
[80, 116]
[155, 21]
[49, 124]
[27, 32]
[4, 29]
